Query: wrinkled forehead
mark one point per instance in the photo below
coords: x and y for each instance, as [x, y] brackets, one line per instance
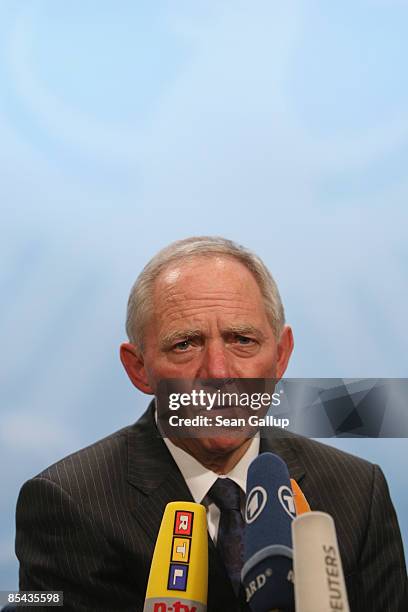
[221, 273]
[195, 288]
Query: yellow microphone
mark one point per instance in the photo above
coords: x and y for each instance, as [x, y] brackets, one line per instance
[178, 579]
[301, 503]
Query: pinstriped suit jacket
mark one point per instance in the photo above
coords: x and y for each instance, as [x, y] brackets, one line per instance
[87, 525]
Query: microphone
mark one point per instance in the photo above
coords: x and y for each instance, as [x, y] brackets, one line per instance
[178, 578]
[267, 573]
[301, 503]
[319, 579]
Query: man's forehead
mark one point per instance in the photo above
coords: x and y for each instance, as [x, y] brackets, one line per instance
[205, 270]
[195, 298]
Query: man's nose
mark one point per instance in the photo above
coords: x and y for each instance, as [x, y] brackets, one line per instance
[215, 361]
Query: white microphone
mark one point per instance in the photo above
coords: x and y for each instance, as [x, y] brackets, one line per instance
[318, 572]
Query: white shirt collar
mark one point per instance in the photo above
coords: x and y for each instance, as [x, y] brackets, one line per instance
[200, 480]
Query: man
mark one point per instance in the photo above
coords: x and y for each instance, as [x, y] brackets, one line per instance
[203, 308]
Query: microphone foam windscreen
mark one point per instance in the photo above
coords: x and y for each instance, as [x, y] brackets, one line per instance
[319, 579]
[270, 509]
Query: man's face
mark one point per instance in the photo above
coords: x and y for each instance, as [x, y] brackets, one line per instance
[209, 321]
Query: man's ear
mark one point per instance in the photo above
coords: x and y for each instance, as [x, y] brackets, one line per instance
[285, 348]
[132, 360]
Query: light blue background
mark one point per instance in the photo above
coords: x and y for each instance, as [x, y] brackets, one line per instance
[126, 125]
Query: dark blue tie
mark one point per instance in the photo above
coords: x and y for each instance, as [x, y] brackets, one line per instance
[226, 494]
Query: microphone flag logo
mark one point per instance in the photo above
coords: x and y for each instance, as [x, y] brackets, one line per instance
[256, 502]
[285, 497]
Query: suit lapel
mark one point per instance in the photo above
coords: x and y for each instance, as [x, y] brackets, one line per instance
[280, 444]
[153, 473]
[156, 481]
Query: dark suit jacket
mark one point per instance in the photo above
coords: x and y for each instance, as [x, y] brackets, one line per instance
[87, 525]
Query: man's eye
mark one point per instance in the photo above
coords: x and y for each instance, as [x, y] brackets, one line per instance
[244, 340]
[183, 345]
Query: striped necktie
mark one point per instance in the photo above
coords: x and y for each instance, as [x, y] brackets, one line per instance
[226, 494]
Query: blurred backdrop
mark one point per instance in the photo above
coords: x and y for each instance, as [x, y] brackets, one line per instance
[125, 126]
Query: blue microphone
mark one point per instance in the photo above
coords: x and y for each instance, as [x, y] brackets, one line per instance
[267, 574]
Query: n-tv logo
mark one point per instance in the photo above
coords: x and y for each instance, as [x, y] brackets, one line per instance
[285, 496]
[176, 606]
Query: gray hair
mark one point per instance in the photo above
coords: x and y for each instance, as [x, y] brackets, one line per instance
[140, 298]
